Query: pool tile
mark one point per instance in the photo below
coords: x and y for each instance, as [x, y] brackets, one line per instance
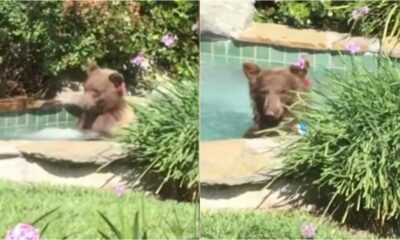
[52, 118]
[219, 59]
[234, 61]
[291, 56]
[337, 61]
[262, 53]
[21, 120]
[276, 64]
[11, 122]
[204, 57]
[205, 46]
[219, 48]
[248, 51]
[2, 121]
[62, 116]
[277, 54]
[369, 61]
[31, 119]
[322, 59]
[233, 50]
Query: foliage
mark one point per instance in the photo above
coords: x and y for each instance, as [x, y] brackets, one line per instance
[40, 40]
[138, 229]
[77, 218]
[303, 14]
[352, 150]
[165, 138]
[383, 19]
[271, 225]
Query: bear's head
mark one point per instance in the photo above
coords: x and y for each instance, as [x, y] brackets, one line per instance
[103, 90]
[273, 89]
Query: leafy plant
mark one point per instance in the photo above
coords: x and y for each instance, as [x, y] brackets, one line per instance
[118, 234]
[138, 229]
[165, 138]
[303, 14]
[351, 152]
[382, 19]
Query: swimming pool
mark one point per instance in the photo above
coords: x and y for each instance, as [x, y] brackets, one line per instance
[50, 123]
[225, 103]
[226, 111]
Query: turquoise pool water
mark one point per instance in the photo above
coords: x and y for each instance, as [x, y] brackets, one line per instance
[225, 103]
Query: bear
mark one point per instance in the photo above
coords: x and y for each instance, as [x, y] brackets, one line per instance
[105, 110]
[271, 91]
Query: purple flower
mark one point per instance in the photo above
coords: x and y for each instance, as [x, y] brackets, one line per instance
[308, 231]
[301, 62]
[119, 190]
[169, 40]
[137, 61]
[356, 14]
[23, 231]
[353, 47]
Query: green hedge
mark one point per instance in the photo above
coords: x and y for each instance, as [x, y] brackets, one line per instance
[41, 40]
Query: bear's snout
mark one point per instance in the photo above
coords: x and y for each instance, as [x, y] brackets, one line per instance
[273, 108]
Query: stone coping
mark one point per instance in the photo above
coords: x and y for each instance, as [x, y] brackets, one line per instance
[69, 152]
[282, 35]
[240, 161]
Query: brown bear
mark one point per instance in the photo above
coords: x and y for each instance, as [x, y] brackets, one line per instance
[104, 108]
[271, 91]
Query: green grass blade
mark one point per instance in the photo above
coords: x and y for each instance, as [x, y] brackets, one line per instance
[116, 232]
[45, 215]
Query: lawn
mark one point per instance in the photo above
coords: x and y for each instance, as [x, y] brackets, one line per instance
[78, 218]
[267, 225]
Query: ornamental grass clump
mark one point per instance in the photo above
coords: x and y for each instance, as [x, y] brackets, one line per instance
[352, 149]
[165, 138]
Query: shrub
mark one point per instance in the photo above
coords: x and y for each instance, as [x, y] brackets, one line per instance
[40, 40]
[165, 138]
[352, 150]
[382, 19]
[303, 14]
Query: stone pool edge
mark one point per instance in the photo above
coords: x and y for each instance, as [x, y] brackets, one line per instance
[282, 35]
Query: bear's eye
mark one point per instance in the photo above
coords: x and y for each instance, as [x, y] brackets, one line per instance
[265, 92]
[96, 93]
[283, 91]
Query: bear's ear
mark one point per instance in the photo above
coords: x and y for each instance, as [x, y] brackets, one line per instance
[90, 66]
[251, 71]
[300, 69]
[116, 78]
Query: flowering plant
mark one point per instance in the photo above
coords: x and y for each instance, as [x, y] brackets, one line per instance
[28, 231]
